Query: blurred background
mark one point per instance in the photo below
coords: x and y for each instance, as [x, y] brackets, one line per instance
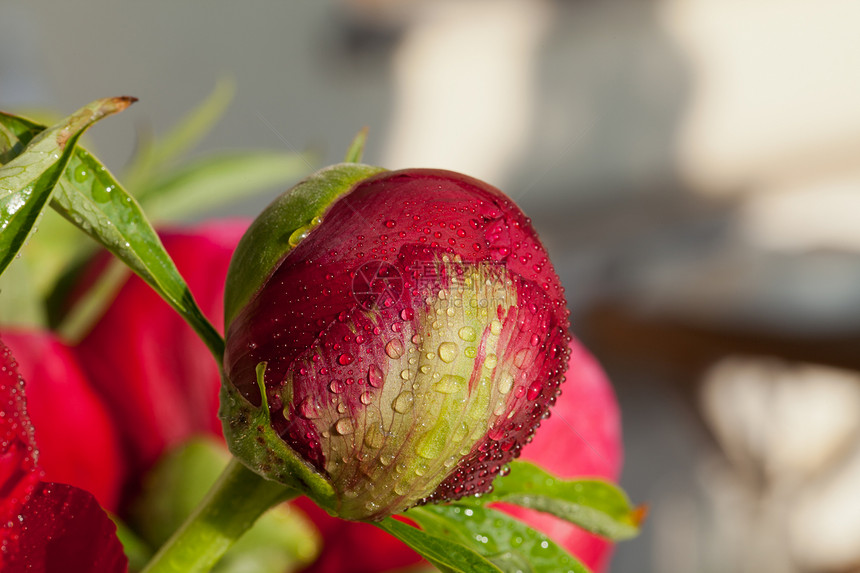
[693, 167]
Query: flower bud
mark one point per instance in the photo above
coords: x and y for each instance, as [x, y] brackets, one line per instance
[401, 345]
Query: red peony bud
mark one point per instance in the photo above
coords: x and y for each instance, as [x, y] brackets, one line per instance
[409, 335]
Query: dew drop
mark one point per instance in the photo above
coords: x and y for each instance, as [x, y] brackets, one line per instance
[345, 359]
[394, 348]
[81, 173]
[403, 402]
[448, 352]
[506, 382]
[470, 352]
[460, 432]
[374, 376]
[299, 235]
[307, 409]
[490, 361]
[366, 398]
[468, 334]
[496, 433]
[344, 426]
[374, 437]
[391, 223]
[495, 327]
[336, 386]
[450, 384]
[404, 374]
[535, 340]
[522, 358]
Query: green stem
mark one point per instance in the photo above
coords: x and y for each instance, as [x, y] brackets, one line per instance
[230, 508]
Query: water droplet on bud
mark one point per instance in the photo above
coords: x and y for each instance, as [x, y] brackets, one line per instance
[374, 376]
[448, 352]
[345, 359]
[344, 426]
[506, 382]
[394, 348]
[495, 327]
[522, 358]
[449, 384]
[307, 409]
[404, 402]
[468, 334]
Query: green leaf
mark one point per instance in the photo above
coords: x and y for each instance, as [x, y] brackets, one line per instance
[446, 554]
[594, 505]
[91, 198]
[356, 148]
[27, 180]
[154, 156]
[509, 544]
[15, 133]
[213, 181]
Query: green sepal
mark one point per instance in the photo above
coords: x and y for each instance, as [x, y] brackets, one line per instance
[250, 437]
[283, 225]
[595, 505]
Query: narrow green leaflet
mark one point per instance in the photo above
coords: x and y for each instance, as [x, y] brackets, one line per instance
[15, 133]
[594, 505]
[91, 198]
[155, 155]
[446, 554]
[510, 545]
[356, 148]
[27, 180]
[217, 180]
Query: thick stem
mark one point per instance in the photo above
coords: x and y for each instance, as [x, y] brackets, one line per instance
[230, 508]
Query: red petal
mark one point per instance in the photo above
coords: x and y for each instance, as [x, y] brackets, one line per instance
[77, 441]
[158, 378]
[63, 529]
[18, 469]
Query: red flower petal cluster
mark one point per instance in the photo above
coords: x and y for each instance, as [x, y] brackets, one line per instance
[144, 369]
[48, 527]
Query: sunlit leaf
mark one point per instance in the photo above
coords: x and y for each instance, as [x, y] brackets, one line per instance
[216, 180]
[154, 155]
[91, 198]
[15, 133]
[446, 554]
[27, 180]
[509, 544]
[594, 505]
